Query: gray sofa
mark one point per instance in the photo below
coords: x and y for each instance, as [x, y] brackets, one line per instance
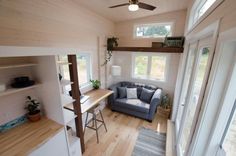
[136, 107]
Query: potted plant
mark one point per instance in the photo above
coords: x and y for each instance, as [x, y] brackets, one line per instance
[33, 109]
[111, 43]
[165, 107]
[96, 83]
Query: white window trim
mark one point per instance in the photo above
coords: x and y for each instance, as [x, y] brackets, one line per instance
[191, 24]
[224, 105]
[150, 24]
[87, 55]
[212, 29]
[149, 66]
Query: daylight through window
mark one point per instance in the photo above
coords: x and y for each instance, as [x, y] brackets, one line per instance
[152, 67]
[83, 66]
[153, 30]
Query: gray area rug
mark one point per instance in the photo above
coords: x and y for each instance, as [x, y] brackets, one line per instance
[150, 143]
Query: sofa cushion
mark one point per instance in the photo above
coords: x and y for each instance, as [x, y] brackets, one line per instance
[133, 104]
[131, 93]
[121, 92]
[146, 95]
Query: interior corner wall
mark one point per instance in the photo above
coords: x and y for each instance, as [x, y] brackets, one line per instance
[124, 31]
[225, 11]
[58, 24]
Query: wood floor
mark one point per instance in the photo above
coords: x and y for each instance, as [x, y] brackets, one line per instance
[121, 136]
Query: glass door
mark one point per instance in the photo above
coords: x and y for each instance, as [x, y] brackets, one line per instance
[228, 143]
[185, 85]
[194, 96]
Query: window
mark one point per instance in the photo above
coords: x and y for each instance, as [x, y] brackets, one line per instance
[192, 108]
[153, 30]
[83, 66]
[152, 66]
[200, 8]
[229, 143]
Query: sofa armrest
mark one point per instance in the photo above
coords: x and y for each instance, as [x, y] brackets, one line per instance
[155, 102]
[113, 96]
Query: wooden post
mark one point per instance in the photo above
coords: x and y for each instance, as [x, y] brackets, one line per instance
[76, 95]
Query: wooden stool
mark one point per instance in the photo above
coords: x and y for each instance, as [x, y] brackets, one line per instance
[95, 111]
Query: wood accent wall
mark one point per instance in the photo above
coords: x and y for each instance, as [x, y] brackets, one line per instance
[54, 23]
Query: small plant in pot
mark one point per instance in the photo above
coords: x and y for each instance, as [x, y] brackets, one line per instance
[33, 109]
[96, 84]
[111, 43]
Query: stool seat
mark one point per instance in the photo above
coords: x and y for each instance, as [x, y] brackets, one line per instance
[95, 112]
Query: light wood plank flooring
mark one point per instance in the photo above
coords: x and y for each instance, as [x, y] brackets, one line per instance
[121, 136]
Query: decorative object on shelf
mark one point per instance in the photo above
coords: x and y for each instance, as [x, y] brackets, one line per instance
[22, 82]
[2, 87]
[157, 44]
[60, 76]
[111, 43]
[174, 41]
[33, 110]
[13, 123]
[96, 84]
[116, 70]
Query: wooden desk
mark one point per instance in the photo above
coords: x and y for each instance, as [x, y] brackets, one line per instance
[95, 96]
[27, 137]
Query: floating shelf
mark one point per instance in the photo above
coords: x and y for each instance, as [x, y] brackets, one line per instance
[17, 65]
[69, 107]
[63, 63]
[68, 116]
[150, 49]
[16, 90]
[66, 99]
[65, 82]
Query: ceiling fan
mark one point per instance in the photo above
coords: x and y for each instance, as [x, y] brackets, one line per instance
[134, 5]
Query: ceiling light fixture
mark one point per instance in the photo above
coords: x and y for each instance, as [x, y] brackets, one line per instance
[133, 7]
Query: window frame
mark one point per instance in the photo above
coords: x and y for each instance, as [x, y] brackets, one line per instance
[150, 55]
[89, 68]
[88, 57]
[195, 8]
[152, 24]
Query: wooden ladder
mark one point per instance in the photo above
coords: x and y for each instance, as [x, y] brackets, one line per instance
[75, 91]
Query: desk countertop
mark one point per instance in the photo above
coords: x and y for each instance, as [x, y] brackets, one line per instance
[27, 137]
[95, 96]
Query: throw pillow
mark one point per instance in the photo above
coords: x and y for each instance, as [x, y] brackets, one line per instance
[146, 95]
[121, 92]
[131, 93]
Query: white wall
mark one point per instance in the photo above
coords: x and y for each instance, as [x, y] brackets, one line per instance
[225, 13]
[124, 31]
[124, 59]
[58, 24]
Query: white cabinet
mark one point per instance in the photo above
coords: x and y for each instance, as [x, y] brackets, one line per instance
[75, 149]
[55, 146]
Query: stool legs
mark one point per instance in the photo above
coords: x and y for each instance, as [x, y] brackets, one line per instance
[96, 126]
[103, 120]
[86, 120]
[94, 121]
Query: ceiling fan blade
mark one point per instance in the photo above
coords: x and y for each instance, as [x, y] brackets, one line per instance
[146, 6]
[115, 6]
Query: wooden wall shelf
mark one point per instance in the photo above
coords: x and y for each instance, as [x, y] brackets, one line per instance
[17, 65]
[150, 49]
[16, 90]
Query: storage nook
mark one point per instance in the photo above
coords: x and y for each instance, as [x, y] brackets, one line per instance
[55, 133]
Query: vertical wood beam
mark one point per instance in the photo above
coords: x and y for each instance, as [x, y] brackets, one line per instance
[76, 95]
